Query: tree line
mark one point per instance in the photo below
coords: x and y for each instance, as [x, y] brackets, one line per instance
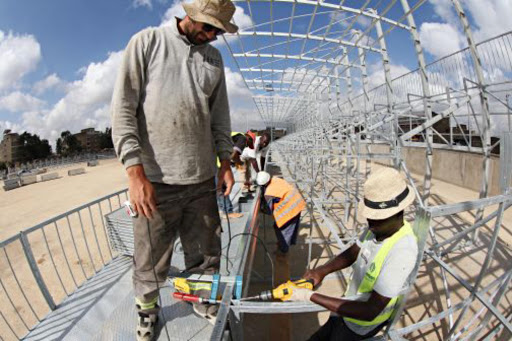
[32, 147]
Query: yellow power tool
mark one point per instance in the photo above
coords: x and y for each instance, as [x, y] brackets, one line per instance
[282, 292]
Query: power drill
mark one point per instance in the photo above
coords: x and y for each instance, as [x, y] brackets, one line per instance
[282, 292]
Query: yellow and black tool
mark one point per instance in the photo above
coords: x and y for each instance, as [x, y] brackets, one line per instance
[282, 292]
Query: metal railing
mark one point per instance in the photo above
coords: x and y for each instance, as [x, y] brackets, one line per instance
[43, 265]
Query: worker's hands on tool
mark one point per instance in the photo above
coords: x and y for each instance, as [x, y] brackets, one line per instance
[141, 191]
[225, 176]
[316, 275]
[300, 294]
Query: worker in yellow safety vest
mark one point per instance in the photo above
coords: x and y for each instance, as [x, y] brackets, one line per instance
[285, 203]
[383, 261]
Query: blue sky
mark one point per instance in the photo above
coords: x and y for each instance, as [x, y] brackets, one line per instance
[58, 58]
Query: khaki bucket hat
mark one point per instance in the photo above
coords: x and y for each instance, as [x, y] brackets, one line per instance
[217, 13]
[385, 194]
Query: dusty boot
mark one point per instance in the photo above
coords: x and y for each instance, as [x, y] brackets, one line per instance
[206, 311]
[146, 326]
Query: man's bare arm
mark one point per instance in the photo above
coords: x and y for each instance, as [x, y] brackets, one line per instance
[342, 261]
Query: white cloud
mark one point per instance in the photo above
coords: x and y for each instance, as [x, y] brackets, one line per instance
[51, 82]
[445, 10]
[440, 39]
[19, 55]
[85, 103]
[492, 17]
[19, 102]
[376, 76]
[141, 3]
[242, 108]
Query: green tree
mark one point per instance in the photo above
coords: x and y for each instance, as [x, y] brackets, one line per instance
[106, 139]
[33, 148]
[68, 144]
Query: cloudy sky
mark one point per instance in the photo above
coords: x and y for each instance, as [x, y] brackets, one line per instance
[59, 58]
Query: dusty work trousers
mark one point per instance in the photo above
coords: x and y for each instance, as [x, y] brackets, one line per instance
[187, 211]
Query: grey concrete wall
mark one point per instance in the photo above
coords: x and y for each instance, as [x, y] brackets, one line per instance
[28, 180]
[49, 176]
[76, 171]
[459, 168]
[11, 184]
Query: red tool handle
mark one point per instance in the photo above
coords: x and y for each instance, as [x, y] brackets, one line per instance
[185, 297]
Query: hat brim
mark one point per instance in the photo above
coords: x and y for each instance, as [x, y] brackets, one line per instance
[364, 212]
[196, 15]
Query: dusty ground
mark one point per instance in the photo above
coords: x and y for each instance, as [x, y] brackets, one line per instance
[26, 206]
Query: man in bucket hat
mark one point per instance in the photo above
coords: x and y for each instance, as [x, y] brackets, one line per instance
[170, 117]
[382, 261]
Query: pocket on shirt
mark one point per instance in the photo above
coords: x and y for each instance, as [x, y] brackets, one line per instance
[210, 76]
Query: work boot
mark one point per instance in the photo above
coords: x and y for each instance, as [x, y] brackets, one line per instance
[206, 311]
[146, 326]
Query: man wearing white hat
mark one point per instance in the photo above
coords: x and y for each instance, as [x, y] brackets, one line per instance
[170, 117]
[382, 261]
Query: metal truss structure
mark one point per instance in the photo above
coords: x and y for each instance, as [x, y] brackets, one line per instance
[322, 71]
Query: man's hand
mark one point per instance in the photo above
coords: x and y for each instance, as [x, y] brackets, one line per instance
[301, 294]
[316, 275]
[142, 193]
[225, 176]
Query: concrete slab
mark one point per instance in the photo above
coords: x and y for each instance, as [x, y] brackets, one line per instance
[49, 176]
[28, 180]
[76, 171]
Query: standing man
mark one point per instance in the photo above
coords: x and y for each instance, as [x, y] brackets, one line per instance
[382, 263]
[170, 117]
[285, 203]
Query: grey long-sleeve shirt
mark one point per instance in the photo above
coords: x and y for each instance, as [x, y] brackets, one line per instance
[170, 109]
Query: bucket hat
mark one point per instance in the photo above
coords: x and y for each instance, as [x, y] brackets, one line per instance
[217, 13]
[385, 194]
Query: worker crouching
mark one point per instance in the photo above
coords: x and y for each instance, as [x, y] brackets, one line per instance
[285, 203]
[383, 261]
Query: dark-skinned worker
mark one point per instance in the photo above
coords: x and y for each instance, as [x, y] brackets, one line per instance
[224, 201]
[382, 261]
[285, 203]
[170, 117]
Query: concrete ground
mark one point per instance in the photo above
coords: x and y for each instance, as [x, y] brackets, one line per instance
[26, 206]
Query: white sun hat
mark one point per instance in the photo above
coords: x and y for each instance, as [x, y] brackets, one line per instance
[262, 178]
[385, 194]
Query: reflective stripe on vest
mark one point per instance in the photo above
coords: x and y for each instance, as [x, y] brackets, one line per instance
[291, 203]
[373, 272]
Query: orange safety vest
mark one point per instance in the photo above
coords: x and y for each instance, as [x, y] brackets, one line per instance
[291, 203]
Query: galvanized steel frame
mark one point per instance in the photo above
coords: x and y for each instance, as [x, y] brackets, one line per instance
[333, 131]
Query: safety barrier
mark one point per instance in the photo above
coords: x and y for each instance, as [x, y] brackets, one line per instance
[43, 265]
[11, 184]
[76, 171]
[49, 176]
[28, 180]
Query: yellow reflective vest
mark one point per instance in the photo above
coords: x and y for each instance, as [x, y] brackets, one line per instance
[373, 272]
[290, 204]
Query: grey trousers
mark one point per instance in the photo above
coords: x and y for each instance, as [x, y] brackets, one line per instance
[184, 211]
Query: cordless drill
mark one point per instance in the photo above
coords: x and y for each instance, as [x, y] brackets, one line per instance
[282, 292]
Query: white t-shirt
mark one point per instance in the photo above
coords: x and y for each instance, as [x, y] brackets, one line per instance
[256, 153]
[396, 269]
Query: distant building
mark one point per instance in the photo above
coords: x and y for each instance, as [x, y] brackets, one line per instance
[277, 133]
[10, 148]
[89, 139]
